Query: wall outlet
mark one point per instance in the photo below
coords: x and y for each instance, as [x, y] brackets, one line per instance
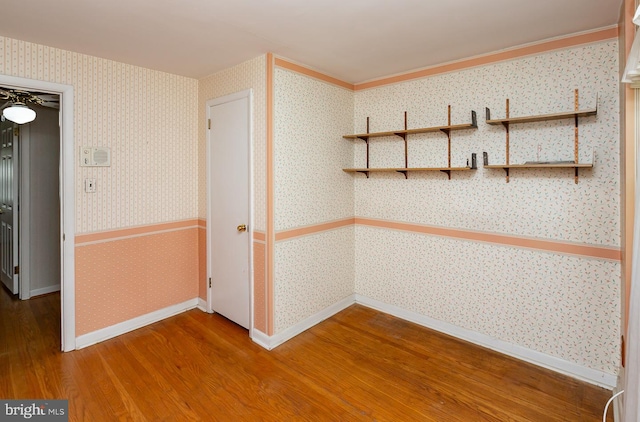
[90, 185]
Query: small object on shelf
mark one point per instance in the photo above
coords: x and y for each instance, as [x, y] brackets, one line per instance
[485, 158]
[550, 162]
[474, 164]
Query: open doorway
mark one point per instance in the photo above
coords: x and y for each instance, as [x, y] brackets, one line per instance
[58, 214]
[30, 196]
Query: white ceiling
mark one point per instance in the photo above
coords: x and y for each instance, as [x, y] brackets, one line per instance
[354, 40]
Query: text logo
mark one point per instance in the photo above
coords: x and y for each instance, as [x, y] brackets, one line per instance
[34, 410]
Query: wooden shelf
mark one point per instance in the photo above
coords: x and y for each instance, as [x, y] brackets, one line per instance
[403, 134]
[539, 166]
[506, 122]
[388, 170]
[445, 129]
[404, 171]
[541, 117]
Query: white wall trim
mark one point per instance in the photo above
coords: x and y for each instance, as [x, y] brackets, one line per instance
[133, 324]
[261, 339]
[45, 290]
[202, 305]
[277, 339]
[571, 369]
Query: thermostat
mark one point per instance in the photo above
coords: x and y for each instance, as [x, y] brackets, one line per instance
[95, 157]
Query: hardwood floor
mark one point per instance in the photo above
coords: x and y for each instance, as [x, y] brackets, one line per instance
[359, 365]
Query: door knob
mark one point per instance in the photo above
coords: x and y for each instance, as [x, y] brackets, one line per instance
[242, 228]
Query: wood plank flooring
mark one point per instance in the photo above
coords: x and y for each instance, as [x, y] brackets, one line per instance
[360, 365]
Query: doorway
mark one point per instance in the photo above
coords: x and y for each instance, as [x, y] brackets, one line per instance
[30, 197]
[229, 207]
[66, 216]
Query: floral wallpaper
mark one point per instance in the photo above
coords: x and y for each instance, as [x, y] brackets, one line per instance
[536, 203]
[560, 305]
[310, 118]
[564, 306]
[314, 271]
[311, 274]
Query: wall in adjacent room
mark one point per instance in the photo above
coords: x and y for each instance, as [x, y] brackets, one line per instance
[314, 250]
[534, 262]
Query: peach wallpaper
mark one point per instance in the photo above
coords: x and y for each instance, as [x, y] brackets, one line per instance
[120, 279]
[147, 118]
[259, 288]
[311, 272]
[568, 307]
[202, 260]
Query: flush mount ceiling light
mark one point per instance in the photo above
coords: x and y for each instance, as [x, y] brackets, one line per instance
[16, 108]
[19, 113]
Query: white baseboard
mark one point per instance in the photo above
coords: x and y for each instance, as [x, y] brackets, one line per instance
[571, 369]
[271, 342]
[133, 324]
[202, 305]
[261, 339]
[574, 370]
[45, 290]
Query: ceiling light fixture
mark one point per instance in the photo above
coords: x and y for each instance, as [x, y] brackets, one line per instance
[19, 113]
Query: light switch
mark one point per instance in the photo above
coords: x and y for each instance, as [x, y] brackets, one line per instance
[90, 185]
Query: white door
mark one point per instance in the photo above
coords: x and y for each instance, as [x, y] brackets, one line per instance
[228, 213]
[8, 201]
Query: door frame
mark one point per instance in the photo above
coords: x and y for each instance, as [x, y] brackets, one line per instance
[67, 200]
[248, 93]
